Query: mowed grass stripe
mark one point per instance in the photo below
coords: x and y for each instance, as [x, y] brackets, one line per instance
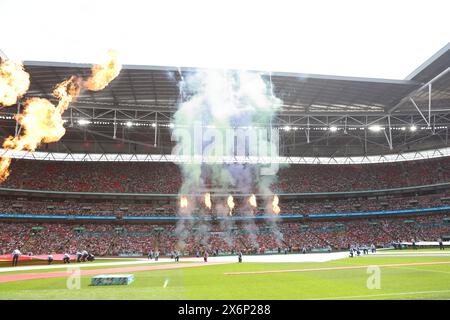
[395, 294]
[211, 283]
[338, 268]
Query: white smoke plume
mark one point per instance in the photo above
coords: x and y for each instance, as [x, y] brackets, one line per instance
[224, 114]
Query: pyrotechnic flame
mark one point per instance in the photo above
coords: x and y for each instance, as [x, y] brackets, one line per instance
[103, 74]
[275, 207]
[4, 165]
[14, 82]
[183, 202]
[208, 203]
[252, 201]
[230, 203]
[66, 92]
[41, 121]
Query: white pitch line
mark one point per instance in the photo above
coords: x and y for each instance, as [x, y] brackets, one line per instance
[352, 267]
[383, 295]
[428, 254]
[166, 283]
[425, 270]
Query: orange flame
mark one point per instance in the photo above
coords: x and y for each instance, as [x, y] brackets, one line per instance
[230, 203]
[208, 203]
[66, 92]
[252, 201]
[4, 166]
[275, 208]
[41, 121]
[183, 202]
[14, 82]
[103, 74]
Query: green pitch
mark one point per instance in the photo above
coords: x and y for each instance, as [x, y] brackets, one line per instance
[210, 282]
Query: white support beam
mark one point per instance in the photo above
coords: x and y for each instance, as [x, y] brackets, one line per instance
[94, 157]
[17, 128]
[156, 129]
[307, 130]
[428, 84]
[429, 103]
[420, 112]
[389, 138]
[115, 125]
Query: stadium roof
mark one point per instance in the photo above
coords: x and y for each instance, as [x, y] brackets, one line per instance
[148, 94]
[144, 87]
[433, 66]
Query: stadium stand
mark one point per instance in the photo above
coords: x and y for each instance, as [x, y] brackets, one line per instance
[165, 178]
[21, 228]
[126, 239]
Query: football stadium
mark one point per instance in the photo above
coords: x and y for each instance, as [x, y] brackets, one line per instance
[141, 181]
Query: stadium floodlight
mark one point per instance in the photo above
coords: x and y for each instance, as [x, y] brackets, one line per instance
[171, 125]
[413, 128]
[333, 129]
[376, 128]
[286, 128]
[153, 125]
[403, 128]
[83, 122]
[129, 124]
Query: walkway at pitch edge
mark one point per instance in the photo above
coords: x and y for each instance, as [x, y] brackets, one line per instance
[267, 258]
[61, 274]
[84, 265]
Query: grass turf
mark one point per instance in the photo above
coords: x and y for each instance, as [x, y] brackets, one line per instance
[209, 282]
[88, 266]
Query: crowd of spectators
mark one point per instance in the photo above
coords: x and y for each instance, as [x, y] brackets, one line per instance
[192, 239]
[165, 178]
[76, 207]
[73, 207]
[124, 177]
[335, 178]
[153, 177]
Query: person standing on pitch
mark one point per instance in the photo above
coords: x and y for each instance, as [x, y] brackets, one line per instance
[441, 245]
[240, 257]
[66, 258]
[84, 255]
[50, 259]
[16, 254]
[156, 255]
[205, 256]
[78, 256]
